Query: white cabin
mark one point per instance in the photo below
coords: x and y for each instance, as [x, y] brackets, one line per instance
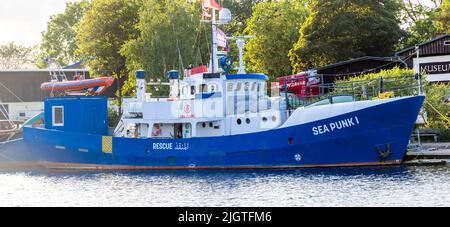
[202, 105]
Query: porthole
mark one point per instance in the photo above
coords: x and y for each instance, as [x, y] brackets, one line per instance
[274, 118]
[264, 119]
[247, 121]
[239, 121]
[204, 125]
[211, 124]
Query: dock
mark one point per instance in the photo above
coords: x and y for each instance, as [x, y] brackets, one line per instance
[429, 154]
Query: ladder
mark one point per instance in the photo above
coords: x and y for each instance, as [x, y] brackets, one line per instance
[55, 71]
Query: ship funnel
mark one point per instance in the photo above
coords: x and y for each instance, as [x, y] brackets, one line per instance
[141, 85]
[173, 75]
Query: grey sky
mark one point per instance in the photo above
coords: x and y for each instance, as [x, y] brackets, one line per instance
[22, 21]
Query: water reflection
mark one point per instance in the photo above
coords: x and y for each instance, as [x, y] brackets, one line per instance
[378, 186]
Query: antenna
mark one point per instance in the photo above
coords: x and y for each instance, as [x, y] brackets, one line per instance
[224, 18]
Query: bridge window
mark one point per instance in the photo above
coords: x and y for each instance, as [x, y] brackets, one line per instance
[213, 88]
[230, 87]
[239, 86]
[204, 88]
[58, 116]
[247, 86]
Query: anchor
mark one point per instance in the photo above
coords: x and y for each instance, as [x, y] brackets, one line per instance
[384, 152]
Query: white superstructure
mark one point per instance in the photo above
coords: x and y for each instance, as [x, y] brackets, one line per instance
[202, 105]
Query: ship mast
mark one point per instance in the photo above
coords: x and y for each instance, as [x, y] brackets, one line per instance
[214, 61]
[224, 18]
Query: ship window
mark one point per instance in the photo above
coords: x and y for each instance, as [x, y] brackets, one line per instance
[213, 88]
[238, 86]
[230, 87]
[204, 88]
[192, 90]
[58, 116]
[247, 121]
[247, 86]
[254, 86]
[447, 43]
[239, 121]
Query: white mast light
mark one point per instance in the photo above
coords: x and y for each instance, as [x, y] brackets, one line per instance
[224, 16]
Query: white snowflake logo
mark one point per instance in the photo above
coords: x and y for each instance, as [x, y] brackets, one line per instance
[298, 157]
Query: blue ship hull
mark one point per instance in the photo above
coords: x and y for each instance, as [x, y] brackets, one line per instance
[377, 135]
[14, 154]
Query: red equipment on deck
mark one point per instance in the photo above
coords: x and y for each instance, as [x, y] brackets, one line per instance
[303, 85]
[94, 86]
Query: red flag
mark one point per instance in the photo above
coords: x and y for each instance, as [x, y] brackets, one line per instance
[212, 4]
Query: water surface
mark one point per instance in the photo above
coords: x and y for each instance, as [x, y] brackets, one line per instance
[387, 186]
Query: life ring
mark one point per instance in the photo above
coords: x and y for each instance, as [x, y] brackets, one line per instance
[187, 108]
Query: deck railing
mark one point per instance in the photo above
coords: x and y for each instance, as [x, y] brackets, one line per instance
[344, 91]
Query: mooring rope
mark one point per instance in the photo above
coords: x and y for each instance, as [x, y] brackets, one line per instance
[441, 114]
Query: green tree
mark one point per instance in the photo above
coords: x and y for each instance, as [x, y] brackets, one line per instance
[13, 56]
[59, 42]
[242, 11]
[171, 37]
[276, 26]
[420, 20]
[102, 32]
[443, 17]
[340, 30]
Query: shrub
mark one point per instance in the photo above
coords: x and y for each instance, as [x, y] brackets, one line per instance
[401, 82]
[113, 117]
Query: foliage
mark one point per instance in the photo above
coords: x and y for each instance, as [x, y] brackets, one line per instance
[59, 42]
[443, 17]
[341, 30]
[13, 56]
[394, 79]
[113, 117]
[421, 20]
[369, 86]
[171, 37]
[242, 11]
[103, 31]
[436, 106]
[275, 26]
